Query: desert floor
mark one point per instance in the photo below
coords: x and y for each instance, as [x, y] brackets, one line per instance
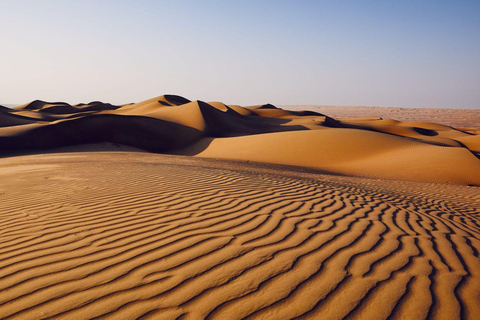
[128, 234]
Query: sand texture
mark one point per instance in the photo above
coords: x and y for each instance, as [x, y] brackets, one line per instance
[125, 235]
[178, 209]
[363, 147]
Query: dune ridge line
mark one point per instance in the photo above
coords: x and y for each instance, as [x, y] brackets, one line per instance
[364, 147]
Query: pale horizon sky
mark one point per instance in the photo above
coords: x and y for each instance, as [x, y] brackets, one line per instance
[372, 53]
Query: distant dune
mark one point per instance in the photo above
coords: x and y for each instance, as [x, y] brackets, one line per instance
[364, 147]
[458, 118]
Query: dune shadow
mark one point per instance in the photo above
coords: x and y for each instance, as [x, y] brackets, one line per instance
[194, 149]
[176, 100]
[231, 123]
[425, 132]
[38, 104]
[145, 133]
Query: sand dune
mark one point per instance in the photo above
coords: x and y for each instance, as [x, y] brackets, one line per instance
[458, 118]
[364, 147]
[117, 235]
[234, 213]
[346, 152]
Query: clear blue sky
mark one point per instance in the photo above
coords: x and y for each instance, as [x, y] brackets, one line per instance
[382, 53]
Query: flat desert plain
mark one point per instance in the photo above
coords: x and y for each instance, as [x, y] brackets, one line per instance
[178, 209]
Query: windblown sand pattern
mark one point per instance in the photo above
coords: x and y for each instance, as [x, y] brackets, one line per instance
[137, 235]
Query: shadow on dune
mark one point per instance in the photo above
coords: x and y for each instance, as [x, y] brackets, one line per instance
[268, 106]
[8, 119]
[176, 100]
[97, 106]
[425, 132]
[63, 108]
[231, 123]
[308, 113]
[140, 132]
[196, 148]
[39, 104]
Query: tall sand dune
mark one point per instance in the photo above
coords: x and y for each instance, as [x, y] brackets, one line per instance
[363, 147]
[125, 235]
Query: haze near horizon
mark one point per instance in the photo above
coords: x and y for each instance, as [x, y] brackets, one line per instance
[404, 54]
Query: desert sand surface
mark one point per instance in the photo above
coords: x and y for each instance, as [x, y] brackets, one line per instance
[458, 118]
[364, 147]
[179, 209]
[125, 235]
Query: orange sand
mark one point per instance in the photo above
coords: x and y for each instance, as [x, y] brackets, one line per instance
[122, 235]
[235, 212]
[363, 147]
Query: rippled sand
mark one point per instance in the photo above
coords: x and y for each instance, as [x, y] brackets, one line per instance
[124, 235]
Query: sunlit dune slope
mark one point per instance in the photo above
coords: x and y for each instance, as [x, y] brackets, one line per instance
[367, 147]
[350, 152]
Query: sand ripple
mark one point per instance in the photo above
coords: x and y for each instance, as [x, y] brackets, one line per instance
[149, 236]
